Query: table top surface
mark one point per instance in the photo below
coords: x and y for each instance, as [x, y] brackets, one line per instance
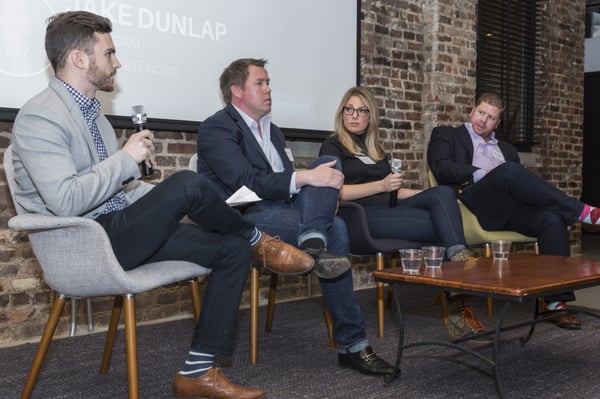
[521, 275]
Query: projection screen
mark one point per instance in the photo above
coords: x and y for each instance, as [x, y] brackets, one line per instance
[172, 53]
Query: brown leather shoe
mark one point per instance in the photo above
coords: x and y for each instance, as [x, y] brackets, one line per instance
[213, 385]
[280, 257]
[568, 322]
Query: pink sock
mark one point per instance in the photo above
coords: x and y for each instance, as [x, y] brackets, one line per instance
[590, 214]
[585, 212]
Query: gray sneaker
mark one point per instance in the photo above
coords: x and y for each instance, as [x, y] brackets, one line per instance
[463, 254]
[328, 266]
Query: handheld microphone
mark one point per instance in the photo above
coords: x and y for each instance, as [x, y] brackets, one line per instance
[396, 165]
[138, 116]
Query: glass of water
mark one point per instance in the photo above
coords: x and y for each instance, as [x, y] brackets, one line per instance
[433, 256]
[501, 249]
[411, 259]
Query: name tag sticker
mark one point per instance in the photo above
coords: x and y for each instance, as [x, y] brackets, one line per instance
[366, 160]
[289, 154]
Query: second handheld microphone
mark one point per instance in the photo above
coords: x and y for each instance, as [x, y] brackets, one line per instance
[396, 165]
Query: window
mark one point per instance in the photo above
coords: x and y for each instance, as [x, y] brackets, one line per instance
[506, 64]
[592, 19]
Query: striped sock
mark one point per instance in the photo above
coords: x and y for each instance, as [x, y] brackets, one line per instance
[590, 215]
[197, 364]
[256, 236]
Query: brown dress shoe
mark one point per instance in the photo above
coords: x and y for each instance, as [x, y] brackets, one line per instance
[568, 322]
[213, 385]
[280, 257]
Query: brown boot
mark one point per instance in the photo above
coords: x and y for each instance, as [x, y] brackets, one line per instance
[280, 257]
[213, 385]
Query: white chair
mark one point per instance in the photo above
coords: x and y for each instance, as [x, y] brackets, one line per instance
[77, 260]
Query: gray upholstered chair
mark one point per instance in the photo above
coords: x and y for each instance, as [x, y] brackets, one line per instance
[88, 302]
[77, 261]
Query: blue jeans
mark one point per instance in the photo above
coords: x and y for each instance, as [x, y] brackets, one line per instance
[432, 216]
[149, 230]
[311, 215]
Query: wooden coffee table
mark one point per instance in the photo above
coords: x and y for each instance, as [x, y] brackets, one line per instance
[524, 277]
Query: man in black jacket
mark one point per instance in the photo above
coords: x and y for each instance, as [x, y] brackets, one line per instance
[504, 195]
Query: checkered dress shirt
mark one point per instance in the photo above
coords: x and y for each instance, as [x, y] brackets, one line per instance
[91, 109]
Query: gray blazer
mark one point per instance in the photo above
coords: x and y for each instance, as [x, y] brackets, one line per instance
[57, 169]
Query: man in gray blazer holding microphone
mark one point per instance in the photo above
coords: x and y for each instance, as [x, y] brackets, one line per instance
[68, 163]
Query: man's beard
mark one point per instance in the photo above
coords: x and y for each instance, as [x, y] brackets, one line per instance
[102, 80]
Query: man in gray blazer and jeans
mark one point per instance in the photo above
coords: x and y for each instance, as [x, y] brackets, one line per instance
[67, 163]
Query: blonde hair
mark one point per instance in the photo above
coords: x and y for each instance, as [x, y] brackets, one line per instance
[374, 149]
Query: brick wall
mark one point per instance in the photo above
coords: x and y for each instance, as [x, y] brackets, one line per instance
[419, 58]
[559, 98]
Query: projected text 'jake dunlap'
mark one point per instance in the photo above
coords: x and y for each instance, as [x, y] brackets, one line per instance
[166, 22]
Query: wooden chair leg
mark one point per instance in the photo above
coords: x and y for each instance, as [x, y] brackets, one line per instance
[40, 355]
[111, 333]
[271, 303]
[440, 298]
[541, 304]
[490, 306]
[379, 263]
[131, 345]
[487, 250]
[254, 281]
[329, 323]
[196, 301]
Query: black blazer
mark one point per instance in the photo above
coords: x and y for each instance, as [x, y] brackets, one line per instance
[450, 155]
[450, 158]
[230, 156]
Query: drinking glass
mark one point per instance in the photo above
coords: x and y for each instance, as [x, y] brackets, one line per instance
[433, 256]
[411, 259]
[500, 249]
